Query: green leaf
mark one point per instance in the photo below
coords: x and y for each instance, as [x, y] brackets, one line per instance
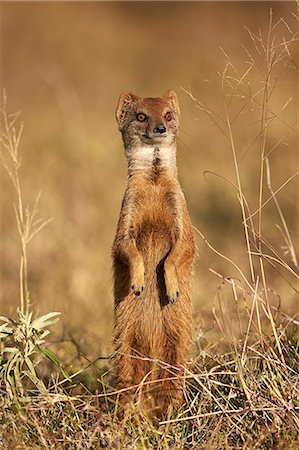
[31, 374]
[44, 321]
[5, 330]
[8, 377]
[8, 320]
[48, 354]
[30, 366]
[37, 382]
[10, 350]
[17, 375]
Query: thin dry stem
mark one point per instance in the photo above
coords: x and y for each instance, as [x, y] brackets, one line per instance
[28, 223]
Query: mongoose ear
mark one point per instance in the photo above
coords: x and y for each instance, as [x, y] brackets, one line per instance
[124, 103]
[172, 98]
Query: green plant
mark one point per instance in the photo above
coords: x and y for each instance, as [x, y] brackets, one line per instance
[22, 338]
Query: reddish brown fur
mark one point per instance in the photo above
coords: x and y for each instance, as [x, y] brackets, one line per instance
[153, 256]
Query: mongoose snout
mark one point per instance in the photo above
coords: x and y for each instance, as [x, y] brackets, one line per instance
[160, 128]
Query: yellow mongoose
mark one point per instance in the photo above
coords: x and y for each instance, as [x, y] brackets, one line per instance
[153, 255]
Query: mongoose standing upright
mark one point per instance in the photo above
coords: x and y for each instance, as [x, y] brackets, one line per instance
[153, 255]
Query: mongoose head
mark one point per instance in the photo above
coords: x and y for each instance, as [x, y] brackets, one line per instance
[148, 121]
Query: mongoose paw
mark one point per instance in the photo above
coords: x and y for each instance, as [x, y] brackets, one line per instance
[174, 299]
[171, 281]
[137, 290]
[137, 278]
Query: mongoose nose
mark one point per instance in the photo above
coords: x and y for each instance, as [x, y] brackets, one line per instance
[160, 128]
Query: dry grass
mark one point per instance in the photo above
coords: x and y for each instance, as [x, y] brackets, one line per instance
[230, 404]
[242, 387]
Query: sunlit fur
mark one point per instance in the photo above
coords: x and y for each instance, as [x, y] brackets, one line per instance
[153, 255]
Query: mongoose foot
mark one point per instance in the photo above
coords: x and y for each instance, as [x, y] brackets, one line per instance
[171, 282]
[137, 291]
[137, 278]
[173, 300]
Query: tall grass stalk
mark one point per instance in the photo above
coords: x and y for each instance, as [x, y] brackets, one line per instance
[28, 222]
[21, 339]
[272, 55]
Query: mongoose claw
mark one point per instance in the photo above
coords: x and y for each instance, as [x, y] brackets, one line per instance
[173, 300]
[136, 291]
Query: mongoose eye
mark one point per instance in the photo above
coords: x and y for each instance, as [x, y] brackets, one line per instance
[141, 117]
[168, 116]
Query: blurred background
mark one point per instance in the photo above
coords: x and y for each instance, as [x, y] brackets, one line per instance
[64, 65]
